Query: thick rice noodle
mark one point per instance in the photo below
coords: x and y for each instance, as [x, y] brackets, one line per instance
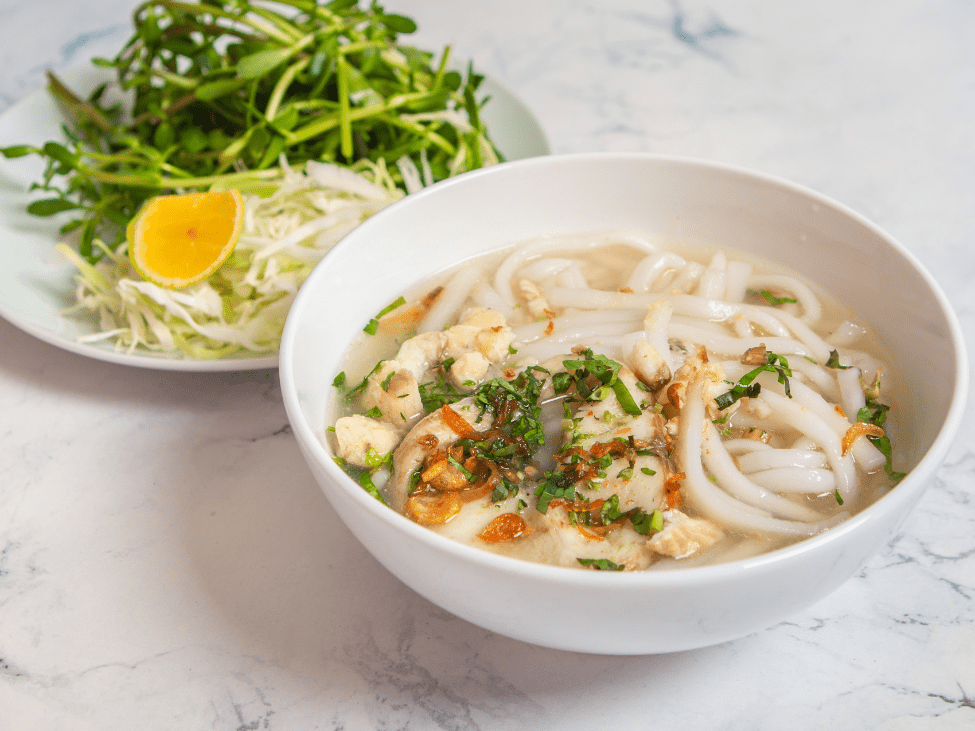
[782, 463]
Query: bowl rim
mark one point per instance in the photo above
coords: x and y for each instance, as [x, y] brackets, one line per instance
[907, 490]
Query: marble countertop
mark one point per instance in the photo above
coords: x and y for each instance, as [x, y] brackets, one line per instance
[167, 561]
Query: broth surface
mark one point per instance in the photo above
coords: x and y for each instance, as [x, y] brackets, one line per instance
[604, 402]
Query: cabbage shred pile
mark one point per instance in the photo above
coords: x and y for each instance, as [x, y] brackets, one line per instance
[242, 307]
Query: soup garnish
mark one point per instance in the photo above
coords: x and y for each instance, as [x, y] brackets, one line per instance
[607, 403]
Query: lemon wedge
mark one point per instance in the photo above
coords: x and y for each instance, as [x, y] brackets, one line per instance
[179, 240]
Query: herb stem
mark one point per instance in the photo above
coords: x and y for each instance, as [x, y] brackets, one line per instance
[81, 108]
[282, 86]
[344, 120]
[346, 115]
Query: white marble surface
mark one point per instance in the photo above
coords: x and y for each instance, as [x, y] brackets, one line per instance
[167, 562]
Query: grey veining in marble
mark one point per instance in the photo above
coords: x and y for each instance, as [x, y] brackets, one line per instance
[167, 562]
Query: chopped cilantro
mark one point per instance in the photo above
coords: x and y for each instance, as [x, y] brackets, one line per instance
[610, 510]
[561, 382]
[647, 523]
[516, 433]
[514, 405]
[601, 564]
[554, 485]
[374, 459]
[876, 413]
[503, 490]
[365, 480]
[745, 387]
[364, 476]
[594, 376]
[354, 393]
[373, 325]
[435, 394]
[463, 470]
[834, 361]
[771, 298]
[643, 522]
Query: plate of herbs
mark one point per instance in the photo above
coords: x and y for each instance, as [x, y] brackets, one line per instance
[319, 114]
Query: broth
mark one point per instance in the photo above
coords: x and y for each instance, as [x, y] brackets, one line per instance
[604, 402]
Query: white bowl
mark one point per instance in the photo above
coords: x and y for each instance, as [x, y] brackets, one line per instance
[608, 612]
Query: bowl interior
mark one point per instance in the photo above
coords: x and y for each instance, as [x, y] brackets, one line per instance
[663, 198]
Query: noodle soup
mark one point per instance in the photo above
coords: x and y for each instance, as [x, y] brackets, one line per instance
[604, 402]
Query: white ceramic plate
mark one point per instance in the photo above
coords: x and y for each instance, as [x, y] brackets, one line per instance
[36, 284]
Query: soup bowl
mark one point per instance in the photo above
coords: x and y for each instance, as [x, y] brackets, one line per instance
[667, 197]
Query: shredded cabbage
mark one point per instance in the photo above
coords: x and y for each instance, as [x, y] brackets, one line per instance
[290, 223]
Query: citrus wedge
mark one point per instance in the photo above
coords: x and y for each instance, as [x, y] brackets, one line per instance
[179, 240]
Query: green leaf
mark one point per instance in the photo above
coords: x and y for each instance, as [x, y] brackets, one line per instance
[217, 66]
[16, 151]
[398, 23]
[215, 89]
[365, 480]
[260, 63]
[164, 136]
[625, 398]
[258, 142]
[286, 120]
[50, 206]
[194, 139]
[561, 382]
[338, 6]
[453, 80]
[647, 524]
[274, 149]
[61, 154]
